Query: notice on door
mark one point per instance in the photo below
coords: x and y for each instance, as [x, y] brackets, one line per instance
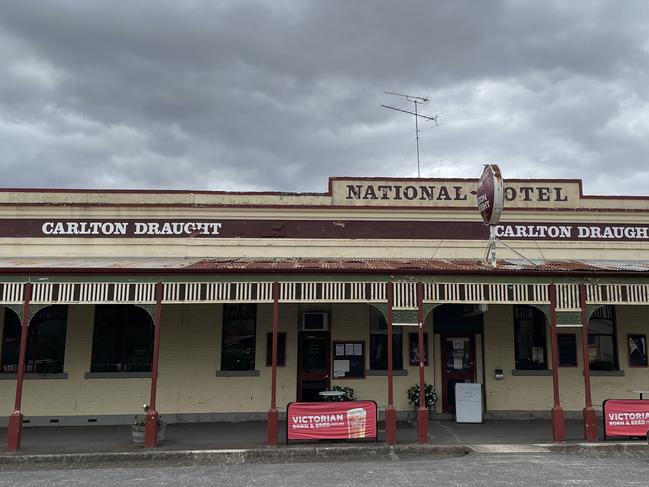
[331, 420]
[626, 417]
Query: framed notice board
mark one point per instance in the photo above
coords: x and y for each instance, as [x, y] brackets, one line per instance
[349, 360]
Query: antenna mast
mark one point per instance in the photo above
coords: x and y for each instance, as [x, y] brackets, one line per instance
[417, 100]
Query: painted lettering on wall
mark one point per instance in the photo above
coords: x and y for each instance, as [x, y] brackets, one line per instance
[107, 228]
[400, 192]
[573, 232]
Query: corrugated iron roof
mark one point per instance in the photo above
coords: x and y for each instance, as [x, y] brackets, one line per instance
[320, 265]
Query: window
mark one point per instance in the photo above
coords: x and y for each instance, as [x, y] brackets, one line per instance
[45, 341]
[239, 329]
[637, 350]
[123, 339]
[529, 338]
[413, 348]
[379, 343]
[281, 349]
[602, 348]
[567, 345]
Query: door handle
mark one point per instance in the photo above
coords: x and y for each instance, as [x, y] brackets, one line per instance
[326, 376]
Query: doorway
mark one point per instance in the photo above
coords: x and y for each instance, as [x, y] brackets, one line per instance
[458, 365]
[314, 359]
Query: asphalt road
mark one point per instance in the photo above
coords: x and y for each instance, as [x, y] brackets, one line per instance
[471, 470]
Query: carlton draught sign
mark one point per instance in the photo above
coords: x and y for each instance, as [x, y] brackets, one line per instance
[490, 194]
[331, 420]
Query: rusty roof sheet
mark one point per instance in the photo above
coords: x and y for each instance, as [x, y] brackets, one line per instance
[319, 265]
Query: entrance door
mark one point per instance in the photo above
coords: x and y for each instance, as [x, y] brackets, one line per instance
[458, 365]
[313, 365]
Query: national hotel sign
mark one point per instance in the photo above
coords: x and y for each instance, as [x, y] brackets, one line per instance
[459, 193]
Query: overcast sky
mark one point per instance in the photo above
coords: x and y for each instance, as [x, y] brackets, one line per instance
[280, 95]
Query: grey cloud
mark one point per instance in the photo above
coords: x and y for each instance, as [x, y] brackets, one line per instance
[281, 95]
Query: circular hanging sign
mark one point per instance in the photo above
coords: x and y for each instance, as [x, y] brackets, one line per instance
[490, 194]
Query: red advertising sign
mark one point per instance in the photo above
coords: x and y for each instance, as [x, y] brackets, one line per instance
[626, 417]
[331, 420]
[490, 194]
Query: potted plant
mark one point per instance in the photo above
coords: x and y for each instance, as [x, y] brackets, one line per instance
[430, 396]
[139, 424]
[348, 393]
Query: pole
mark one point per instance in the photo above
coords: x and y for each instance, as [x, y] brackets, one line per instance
[152, 416]
[558, 423]
[417, 137]
[422, 411]
[15, 424]
[390, 412]
[272, 417]
[590, 419]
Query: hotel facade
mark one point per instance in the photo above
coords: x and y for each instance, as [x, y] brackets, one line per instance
[224, 306]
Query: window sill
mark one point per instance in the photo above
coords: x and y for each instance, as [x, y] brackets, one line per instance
[33, 375]
[117, 375]
[384, 373]
[237, 373]
[532, 372]
[606, 373]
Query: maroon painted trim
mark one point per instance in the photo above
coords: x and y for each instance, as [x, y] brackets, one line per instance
[422, 350]
[22, 354]
[109, 271]
[273, 384]
[554, 346]
[389, 291]
[156, 346]
[584, 342]
[333, 207]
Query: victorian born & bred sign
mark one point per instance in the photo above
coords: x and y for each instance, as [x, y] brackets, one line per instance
[331, 420]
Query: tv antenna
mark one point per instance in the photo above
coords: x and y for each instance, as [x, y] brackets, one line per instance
[417, 100]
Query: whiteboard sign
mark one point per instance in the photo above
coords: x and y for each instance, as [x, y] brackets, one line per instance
[468, 403]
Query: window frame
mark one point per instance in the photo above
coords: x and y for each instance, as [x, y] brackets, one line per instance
[377, 330]
[124, 316]
[613, 335]
[574, 338]
[281, 349]
[538, 319]
[36, 350]
[224, 324]
[635, 336]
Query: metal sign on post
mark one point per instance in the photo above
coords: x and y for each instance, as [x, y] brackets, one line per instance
[491, 200]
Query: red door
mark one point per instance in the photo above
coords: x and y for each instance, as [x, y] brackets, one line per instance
[313, 365]
[458, 365]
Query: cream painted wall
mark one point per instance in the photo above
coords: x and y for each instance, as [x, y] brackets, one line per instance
[535, 392]
[190, 355]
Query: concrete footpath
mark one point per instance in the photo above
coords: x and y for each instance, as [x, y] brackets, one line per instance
[229, 443]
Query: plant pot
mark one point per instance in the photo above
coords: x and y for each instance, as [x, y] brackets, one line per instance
[137, 433]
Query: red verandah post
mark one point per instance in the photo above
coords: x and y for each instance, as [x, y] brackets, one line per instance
[590, 419]
[422, 412]
[272, 420]
[15, 425]
[152, 416]
[390, 412]
[558, 423]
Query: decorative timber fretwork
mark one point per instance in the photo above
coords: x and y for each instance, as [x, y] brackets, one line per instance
[98, 292]
[485, 293]
[405, 293]
[568, 297]
[617, 293]
[332, 292]
[11, 292]
[218, 292]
